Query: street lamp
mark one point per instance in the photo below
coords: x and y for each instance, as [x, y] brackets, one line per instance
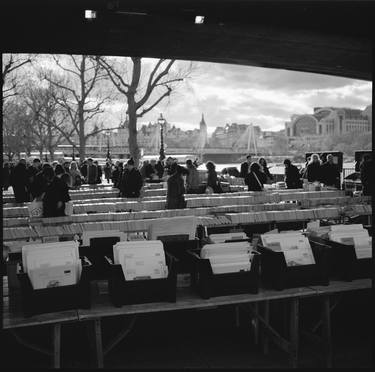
[161, 122]
[73, 157]
[108, 133]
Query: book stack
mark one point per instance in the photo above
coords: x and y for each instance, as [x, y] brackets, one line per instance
[353, 235]
[141, 259]
[176, 226]
[222, 238]
[52, 264]
[228, 257]
[15, 212]
[295, 247]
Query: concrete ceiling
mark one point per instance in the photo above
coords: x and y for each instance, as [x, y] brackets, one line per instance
[323, 37]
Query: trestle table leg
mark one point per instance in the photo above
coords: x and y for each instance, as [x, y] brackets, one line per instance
[98, 343]
[237, 315]
[327, 331]
[266, 316]
[294, 321]
[255, 323]
[57, 345]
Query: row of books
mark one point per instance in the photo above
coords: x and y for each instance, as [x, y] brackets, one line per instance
[151, 205]
[291, 215]
[228, 257]
[295, 247]
[10, 233]
[52, 264]
[123, 216]
[141, 259]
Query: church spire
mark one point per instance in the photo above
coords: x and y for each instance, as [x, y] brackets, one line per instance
[202, 121]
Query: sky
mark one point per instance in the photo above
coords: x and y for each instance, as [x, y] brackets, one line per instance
[227, 93]
[266, 97]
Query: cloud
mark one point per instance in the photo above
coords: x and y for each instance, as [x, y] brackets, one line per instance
[245, 94]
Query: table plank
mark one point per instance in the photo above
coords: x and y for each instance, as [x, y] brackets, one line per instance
[14, 318]
[341, 286]
[186, 299]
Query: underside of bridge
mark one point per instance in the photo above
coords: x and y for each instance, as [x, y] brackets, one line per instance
[322, 37]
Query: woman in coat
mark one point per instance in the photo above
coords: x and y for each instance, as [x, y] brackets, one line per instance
[263, 167]
[175, 188]
[56, 194]
[212, 180]
[255, 179]
[131, 181]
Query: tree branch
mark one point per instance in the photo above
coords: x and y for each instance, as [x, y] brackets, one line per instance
[166, 94]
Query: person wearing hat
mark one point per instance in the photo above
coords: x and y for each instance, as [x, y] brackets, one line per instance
[131, 181]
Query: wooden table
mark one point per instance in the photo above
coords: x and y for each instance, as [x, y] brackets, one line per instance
[13, 319]
[257, 304]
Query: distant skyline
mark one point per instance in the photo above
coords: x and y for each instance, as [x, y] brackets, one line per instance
[227, 93]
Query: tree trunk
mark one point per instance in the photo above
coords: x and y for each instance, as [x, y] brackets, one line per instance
[51, 154]
[132, 140]
[82, 137]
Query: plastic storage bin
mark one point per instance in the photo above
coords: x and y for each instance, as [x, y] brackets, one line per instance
[342, 261]
[275, 273]
[209, 284]
[123, 292]
[55, 299]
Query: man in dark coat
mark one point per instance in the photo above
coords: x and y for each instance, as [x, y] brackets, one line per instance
[367, 178]
[159, 167]
[292, 175]
[32, 171]
[313, 171]
[100, 172]
[55, 196]
[116, 175]
[83, 169]
[92, 172]
[175, 188]
[131, 181]
[245, 167]
[20, 182]
[107, 171]
[330, 173]
[39, 184]
[6, 176]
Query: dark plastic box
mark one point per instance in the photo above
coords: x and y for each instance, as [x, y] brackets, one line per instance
[123, 292]
[275, 273]
[55, 299]
[178, 246]
[342, 261]
[209, 284]
[97, 251]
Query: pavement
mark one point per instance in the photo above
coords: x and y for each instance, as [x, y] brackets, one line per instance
[204, 339]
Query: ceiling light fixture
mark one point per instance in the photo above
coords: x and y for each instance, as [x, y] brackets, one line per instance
[90, 14]
[199, 20]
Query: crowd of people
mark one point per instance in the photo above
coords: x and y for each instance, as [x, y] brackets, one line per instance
[50, 183]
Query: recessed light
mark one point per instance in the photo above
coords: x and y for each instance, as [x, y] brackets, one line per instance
[199, 19]
[90, 14]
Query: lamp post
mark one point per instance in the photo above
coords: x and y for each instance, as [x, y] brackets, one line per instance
[108, 133]
[73, 157]
[161, 122]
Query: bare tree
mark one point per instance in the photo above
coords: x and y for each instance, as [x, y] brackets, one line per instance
[78, 93]
[16, 128]
[10, 80]
[138, 89]
[46, 116]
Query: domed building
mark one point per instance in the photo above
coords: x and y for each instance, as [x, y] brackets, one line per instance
[329, 121]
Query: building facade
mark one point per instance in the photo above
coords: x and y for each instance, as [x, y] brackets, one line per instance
[329, 121]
